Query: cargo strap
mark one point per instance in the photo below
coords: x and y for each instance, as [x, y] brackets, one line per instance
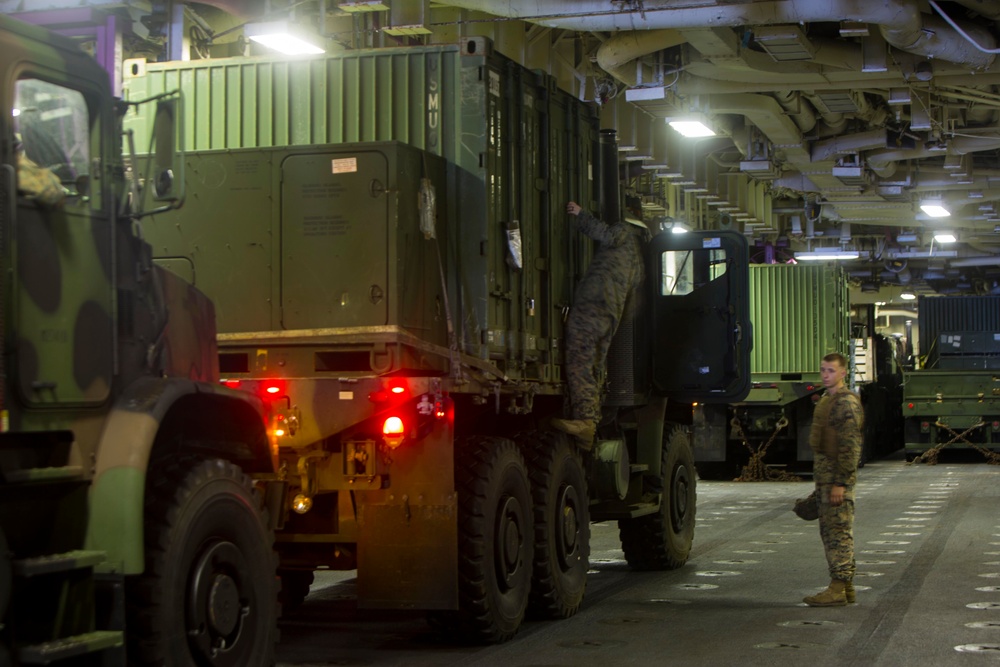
[931, 455]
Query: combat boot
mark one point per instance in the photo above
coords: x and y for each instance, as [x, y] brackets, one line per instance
[583, 430]
[849, 591]
[833, 596]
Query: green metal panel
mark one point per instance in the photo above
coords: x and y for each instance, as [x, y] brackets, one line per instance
[339, 224]
[517, 150]
[799, 314]
[224, 236]
[406, 94]
[334, 228]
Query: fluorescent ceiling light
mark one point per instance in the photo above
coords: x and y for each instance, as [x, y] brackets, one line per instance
[935, 209]
[907, 296]
[679, 228]
[945, 237]
[691, 128]
[827, 254]
[282, 37]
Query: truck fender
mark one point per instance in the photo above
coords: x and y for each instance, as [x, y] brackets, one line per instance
[123, 453]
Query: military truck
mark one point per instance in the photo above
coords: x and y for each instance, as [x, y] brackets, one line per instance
[402, 300]
[953, 400]
[799, 313]
[127, 514]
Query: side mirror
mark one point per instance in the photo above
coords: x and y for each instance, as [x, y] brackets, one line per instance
[165, 185]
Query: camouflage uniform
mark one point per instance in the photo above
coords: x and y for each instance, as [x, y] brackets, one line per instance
[614, 273]
[835, 439]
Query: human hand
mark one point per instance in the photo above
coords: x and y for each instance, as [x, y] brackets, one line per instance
[836, 495]
[573, 208]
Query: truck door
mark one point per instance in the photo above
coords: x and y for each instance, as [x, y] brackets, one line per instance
[334, 231]
[62, 250]
[699, 290]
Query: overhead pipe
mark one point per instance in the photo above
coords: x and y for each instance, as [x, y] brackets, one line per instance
[622, 49]
[904, 24]
[764, 112]
[884, 163]
[829, 149]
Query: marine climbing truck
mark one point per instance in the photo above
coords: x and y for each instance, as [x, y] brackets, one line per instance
[403, 312]
[129, 524]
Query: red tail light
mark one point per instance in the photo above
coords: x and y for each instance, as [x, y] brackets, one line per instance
[232, 384]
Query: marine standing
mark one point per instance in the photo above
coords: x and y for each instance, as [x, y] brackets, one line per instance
[835, 440]
[615, 272]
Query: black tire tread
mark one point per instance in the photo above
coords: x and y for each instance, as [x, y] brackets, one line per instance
[540, 450]
[175, 478]
[645, 540]
[475, 459]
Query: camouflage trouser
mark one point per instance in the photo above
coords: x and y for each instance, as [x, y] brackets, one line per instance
[588, 335]
[836, 529]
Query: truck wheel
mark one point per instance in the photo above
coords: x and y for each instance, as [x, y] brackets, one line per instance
[562, 524]
[209, 592]
[662, 541]
[494, 538]
[294, 587]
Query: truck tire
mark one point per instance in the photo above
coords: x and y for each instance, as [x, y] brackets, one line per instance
[209, 592]
[562, 524]
[495, 544]
[662, 540]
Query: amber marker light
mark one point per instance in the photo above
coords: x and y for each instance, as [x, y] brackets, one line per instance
[393, 429]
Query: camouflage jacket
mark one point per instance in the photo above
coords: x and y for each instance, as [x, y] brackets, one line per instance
[835, 438]
[617, 267]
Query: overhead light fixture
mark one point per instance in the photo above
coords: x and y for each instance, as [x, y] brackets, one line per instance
[283, 37]
[944, 237]
[692, 126]
[821, 254]
[935, 208]
[679, 228]
[907, 296]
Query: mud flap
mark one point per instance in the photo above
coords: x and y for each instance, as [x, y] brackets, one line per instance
[408, 533]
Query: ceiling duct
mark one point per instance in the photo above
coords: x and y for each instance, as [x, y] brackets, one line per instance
[900, 21]
[784, 43]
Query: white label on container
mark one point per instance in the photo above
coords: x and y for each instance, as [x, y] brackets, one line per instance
[711, 242]
[494, 84]
[344, 165]
[347, 395]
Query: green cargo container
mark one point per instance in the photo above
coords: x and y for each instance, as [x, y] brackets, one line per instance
[517, 149]
[799, 314]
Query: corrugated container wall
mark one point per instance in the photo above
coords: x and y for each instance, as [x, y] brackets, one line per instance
[517, 147]
[799, 314]
[939, 315]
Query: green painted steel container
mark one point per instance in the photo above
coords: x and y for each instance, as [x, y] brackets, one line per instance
[517, 149]
[799, 313]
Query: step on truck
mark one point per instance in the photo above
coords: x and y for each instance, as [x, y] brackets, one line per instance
[130, 528]
[401, 304]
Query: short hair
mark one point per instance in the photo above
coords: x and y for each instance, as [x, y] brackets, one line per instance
[838, 357]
